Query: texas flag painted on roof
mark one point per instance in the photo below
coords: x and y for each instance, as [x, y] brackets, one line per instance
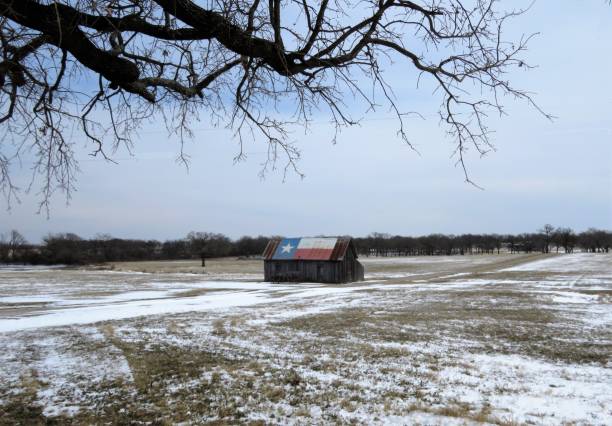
[305, 249]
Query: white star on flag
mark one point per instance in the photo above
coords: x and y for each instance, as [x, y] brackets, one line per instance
[287, 248]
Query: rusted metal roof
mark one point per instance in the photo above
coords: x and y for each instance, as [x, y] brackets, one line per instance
[271, 248]
[307, 249]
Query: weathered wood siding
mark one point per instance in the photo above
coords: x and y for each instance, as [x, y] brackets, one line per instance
[352, 269]
[341, 271]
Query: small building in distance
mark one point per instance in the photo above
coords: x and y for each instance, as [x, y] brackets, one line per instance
[321, 260]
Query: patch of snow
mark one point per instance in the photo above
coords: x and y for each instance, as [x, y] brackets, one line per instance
[568, 263]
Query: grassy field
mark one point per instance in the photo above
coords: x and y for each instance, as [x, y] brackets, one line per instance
[214, 267]
[502, 339]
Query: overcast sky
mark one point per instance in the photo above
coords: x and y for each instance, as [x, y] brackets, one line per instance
[542, 172]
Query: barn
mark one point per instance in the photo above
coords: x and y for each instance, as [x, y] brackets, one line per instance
[323, 260]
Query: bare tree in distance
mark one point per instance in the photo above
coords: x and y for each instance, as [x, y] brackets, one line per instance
[9, 243]
[4, 250]
[547, 232]
[15, 239]
[100, 70]
[566, 238]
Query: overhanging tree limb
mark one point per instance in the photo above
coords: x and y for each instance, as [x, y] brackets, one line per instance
[68, 63]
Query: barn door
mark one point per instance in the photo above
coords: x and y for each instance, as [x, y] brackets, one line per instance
[320, 272]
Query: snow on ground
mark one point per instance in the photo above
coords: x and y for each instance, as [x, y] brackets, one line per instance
[216, 296]
[130, 305]
[226, 295]
[472, 260]
[60, 372]
[559, 393]
[426, 341]
[577, 262]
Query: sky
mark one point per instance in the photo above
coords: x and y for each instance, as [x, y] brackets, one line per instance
[557, 172]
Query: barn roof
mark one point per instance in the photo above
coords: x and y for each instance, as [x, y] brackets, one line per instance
[307, 249]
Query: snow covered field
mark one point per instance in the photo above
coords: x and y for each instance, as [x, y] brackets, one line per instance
[501, 339]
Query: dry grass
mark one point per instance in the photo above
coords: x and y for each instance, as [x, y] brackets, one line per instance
[22, 408]
[226, 265]
[397, 352]
[12, 310]
[197, 292]
[515, 323]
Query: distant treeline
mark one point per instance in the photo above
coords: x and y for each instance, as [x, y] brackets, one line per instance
[70, 249]
[546, 240]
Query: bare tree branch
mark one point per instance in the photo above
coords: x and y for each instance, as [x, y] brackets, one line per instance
[104, 67]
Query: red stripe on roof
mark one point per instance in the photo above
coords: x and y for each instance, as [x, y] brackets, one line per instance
[313, 254]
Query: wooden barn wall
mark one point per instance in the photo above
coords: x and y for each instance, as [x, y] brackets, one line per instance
[346, 270]
[352, 269]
